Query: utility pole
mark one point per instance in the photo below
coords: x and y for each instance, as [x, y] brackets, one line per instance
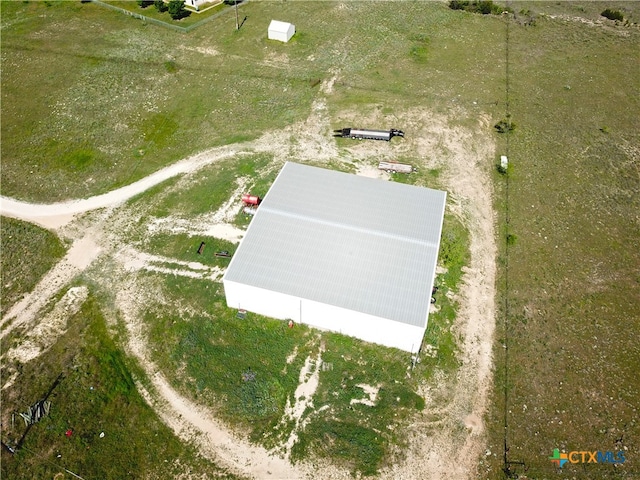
[237, 23]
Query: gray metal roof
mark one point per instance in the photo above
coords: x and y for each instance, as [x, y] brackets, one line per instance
[358, 243]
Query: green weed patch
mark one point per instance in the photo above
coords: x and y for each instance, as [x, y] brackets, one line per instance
[28, 252]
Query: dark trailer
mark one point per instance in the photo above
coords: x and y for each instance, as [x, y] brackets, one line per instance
[362, 134]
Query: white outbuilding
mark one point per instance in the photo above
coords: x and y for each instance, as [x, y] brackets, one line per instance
[282, 31]
[341, 252]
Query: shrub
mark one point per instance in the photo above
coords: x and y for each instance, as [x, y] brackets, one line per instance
[613, 14]
[505, 126]
[484, 7]
[160, 6]
[458, 4]
[177, 10]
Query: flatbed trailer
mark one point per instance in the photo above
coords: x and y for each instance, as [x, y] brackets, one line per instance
[365, 134]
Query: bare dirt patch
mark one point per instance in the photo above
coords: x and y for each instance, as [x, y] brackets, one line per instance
[303, 398]
[371, 171]
[134, 260]
[371, 392]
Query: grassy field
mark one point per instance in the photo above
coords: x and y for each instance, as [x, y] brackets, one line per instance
[570, 281]
[92, 391]
[89, 109]
[28, 252]
[172, 100]
[108, 105]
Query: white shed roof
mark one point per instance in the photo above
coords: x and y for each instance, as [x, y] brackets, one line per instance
[278, 26]
[354, 242]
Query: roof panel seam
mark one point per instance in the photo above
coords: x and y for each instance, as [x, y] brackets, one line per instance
[345, 226]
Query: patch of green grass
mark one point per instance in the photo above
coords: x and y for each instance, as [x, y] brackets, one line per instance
[420, 49]
[346, 442]
[157, 129]
[79, 159]
[397, 395]
[213, 187]
[454, 250]
[453, 256]
[185, 248]
[214, 352]
[356, 435]
[171, 66]
[28, 252]
[96, 394]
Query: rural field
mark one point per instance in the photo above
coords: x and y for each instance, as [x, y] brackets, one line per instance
[126, 144]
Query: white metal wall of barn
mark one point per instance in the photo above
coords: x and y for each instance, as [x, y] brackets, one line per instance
[326, 317]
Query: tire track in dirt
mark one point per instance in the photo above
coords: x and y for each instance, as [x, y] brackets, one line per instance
[192, 422]
[56, 215]
[189, 421]
[81, 254]
[452, 449]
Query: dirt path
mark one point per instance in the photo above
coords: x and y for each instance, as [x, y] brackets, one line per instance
[475, 320]
[449, 447]
[445, 448]
[191, 421]
[56, 215]
[78, 258]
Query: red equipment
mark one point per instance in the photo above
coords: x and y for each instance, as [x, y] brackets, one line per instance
[249, 199]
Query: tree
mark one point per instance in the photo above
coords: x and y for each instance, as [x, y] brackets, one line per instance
[176, 9]
[160, 5]
[145, 3]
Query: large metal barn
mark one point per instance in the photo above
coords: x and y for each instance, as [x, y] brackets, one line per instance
[341, 252]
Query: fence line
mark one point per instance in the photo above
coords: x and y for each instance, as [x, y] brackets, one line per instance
[160, 23]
